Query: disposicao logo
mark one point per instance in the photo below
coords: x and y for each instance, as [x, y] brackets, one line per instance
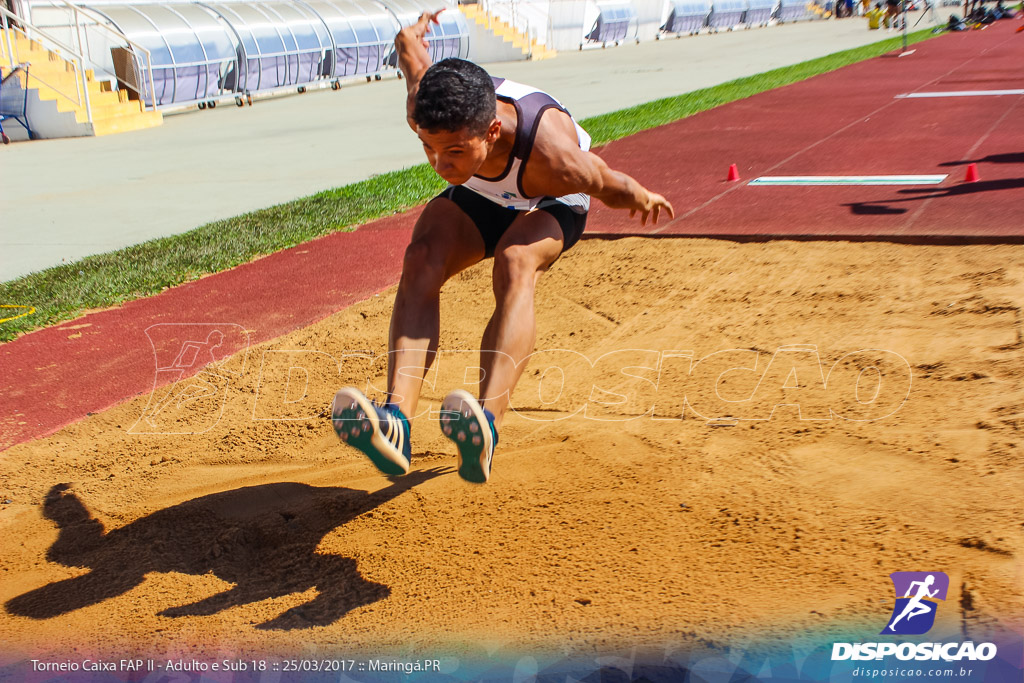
[917, 600]
[917, 596]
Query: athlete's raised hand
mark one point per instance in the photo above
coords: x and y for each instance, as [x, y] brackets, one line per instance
[422, 26]
[414, 56]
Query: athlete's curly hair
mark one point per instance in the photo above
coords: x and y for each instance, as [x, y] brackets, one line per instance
[455, 94]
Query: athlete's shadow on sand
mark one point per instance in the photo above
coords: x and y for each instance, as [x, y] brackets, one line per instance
[919, 194]
[263, 539]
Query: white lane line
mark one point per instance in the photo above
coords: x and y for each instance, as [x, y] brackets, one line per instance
[849, 180]
[960, 93]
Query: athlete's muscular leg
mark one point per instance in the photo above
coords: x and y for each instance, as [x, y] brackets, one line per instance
[530, 246]
[444, 242]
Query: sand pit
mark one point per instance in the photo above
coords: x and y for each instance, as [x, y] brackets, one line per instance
[640, 499]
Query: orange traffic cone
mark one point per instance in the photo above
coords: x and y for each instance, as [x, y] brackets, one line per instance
[972, 174]
[734, 174]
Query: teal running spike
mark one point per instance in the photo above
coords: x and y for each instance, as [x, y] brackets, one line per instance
[380, 432]
[471, 429]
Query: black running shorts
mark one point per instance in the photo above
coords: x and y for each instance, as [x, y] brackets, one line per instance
[493, 220]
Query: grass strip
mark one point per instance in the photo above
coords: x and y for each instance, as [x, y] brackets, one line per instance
[66, 291]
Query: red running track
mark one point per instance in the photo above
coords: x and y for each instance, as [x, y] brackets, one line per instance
[848, 122]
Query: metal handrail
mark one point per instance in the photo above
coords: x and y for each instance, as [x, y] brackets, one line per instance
[81, 82]
[103, 23]
[7, 41]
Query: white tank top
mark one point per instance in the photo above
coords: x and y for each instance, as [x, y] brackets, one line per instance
[507, 188]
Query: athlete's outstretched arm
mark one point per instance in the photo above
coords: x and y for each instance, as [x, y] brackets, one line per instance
[413, 58]
[558, 167]
[620, 191]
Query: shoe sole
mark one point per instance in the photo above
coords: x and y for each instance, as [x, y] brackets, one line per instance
[350, 426]
[474, 459]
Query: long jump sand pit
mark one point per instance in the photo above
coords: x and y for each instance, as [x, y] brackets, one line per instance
[846, 410]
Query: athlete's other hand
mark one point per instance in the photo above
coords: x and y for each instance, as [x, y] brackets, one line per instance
[652, 208]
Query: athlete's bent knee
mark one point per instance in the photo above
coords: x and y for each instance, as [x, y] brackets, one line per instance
[515, 266]
[422, 268]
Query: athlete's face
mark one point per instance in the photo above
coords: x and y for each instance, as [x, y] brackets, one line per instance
[457, 156]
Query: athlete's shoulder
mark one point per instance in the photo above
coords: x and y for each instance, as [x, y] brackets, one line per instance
[513, 90]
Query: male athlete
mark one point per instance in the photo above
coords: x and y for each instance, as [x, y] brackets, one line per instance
[520, 180]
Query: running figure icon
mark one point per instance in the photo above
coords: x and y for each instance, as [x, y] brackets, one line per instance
[916, 606]
[195, 364]
[918, 595]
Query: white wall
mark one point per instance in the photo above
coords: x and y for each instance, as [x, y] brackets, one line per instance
[46, 122]
[485, 47]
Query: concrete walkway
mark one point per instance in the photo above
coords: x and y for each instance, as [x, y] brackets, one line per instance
[66, 199]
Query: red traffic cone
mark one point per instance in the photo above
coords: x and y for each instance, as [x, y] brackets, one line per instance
[972, 174]
[734, 174]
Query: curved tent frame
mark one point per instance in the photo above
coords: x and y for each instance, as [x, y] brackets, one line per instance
[202, 51]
